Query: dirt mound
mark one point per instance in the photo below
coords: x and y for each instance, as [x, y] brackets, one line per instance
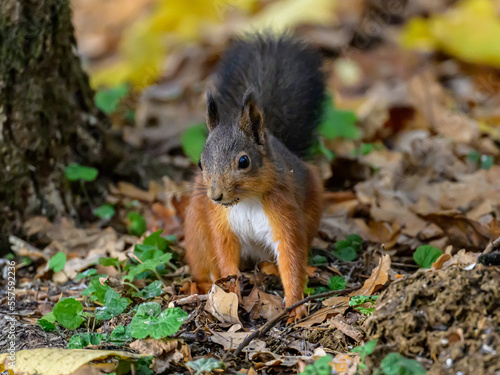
[449, 320]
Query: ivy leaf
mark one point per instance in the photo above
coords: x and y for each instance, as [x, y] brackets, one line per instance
[347, 250]
[171, 238]
[87, 273]
[76, 172]
[49, 317]
[145, 252]
[47, 322]
[107, 100]
[120, 335]
[395, 364]
[109, 262]
[68, 313]
[336, 283]
[366, 349]
[156, 240]
[46, 325]
[57, 262]
[486, 162]
[152, 290]
[144, 366]
[474, 156]
[81, 340]
[425, 255]
[96, 290]
[105, 212]
[319, 260]
[136, 224]
[149, 321]
[114, 305]
[359, 300]
[148, 265]
[365, 310]
[337, 123]
[193, 141]
[308, 291]
[355, 241]
[206, 365]
[346, 254]
[320, 367]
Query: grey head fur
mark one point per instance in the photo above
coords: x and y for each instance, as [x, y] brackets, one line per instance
[228, 141]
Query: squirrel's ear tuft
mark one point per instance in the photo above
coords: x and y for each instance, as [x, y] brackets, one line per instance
[212, 112]
[252, 119]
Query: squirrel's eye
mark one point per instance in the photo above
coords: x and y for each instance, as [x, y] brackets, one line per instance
[199, 165]
[244, 162]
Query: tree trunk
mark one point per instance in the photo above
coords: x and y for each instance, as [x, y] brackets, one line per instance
[47, 113]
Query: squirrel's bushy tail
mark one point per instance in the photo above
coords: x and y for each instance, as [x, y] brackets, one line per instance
[287, 79]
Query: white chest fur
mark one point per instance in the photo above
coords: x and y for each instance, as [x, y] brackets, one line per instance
[250, 223]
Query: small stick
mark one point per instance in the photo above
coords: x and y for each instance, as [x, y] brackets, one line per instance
[492, 246]
[270, 324]
[195, 298]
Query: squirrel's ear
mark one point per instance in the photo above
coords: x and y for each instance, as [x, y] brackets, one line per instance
[212, 112]
[252, 119]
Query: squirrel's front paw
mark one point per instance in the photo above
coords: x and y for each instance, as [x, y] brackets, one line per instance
[297, 314]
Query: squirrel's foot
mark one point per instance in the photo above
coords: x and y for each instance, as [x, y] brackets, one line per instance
[297, 314]
[191, 288]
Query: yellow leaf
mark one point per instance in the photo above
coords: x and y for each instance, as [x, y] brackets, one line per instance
[47, 361]
[469, 31]
[144, 44]
[285, 14]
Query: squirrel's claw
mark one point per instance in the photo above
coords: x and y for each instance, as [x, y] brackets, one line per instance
[297, 314]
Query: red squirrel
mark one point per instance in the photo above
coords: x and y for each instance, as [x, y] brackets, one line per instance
[254, 198]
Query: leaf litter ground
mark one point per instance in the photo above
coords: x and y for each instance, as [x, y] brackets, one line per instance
[420, 167]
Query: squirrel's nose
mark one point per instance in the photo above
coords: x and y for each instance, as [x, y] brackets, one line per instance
[218, 199]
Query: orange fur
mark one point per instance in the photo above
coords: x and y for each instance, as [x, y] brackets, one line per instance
[213, 250]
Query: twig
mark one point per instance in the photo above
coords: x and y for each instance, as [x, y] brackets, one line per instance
[270, 324]
[195, 298]
[492, 246]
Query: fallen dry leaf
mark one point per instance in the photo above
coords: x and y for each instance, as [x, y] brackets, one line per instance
[345, 364]
[322, 314]
[262, 305]
[223, 306]
[430, 99]
[462, 231]
[336, 301]
[378, 278]
[47, 361]
[231, 340]
[164, 352]
[462, 258]
[347, 329]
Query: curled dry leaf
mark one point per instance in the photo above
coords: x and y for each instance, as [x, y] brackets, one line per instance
[223, 306]
[462, 258]
[379, 276]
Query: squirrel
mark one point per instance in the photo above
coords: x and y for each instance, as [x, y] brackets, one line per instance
[254, 198]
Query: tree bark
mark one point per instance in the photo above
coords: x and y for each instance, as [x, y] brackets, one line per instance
[47, 113]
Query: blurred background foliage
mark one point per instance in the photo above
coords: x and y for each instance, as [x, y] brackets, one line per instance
[151, 60]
